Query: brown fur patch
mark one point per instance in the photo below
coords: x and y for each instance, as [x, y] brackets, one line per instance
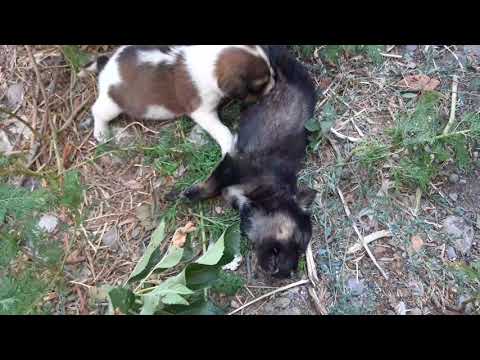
[145, 85]
[238, 71]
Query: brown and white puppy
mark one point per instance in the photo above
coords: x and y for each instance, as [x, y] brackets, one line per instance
[259, 177]
[163, 82]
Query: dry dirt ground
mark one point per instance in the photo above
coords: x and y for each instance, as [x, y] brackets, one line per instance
[124, 193]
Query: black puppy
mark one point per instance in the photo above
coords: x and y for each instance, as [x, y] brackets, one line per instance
[259, 177]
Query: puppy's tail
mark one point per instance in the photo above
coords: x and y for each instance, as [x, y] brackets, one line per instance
[95, 66]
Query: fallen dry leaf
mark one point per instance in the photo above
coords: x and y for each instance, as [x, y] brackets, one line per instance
[420, 82]
[417, 243]
[180, 235]
[133, 185]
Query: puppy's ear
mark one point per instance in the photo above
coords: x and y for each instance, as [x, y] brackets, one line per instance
[235, 87]
[305, 198]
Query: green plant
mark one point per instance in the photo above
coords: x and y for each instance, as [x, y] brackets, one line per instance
[228, 283]
[182, 292]
[75, 57]
[319, 127]
[370, 153]
[333, 53]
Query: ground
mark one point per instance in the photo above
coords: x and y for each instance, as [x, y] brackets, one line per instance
[124, 185]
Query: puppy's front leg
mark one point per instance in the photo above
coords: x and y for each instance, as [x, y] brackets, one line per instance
[210, 122]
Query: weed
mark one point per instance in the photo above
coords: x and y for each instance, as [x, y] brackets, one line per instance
[228, 283]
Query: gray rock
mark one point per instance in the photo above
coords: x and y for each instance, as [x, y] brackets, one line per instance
[415, 311]
[48, 223]
[453, 178]
[86, 124]
[198, 136]
[5, 145]
[110, 238]
[461, 233]
[15, 94]
[283, 302]
[416, 287]
[355, 287]
[453, 196]
[451, 254]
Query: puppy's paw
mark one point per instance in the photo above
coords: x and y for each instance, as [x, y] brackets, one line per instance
[193, 193]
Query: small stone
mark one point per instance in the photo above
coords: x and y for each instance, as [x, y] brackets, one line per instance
[48, 223]
[198, 136]
[356, 287]
[395, 157]
[453, 196]
[5, 145]
[451, 254]
[415, 311]
[416, 287]
[282, 302]
[475, 155]
[461, 233]
[401, 308]
[86, 124]
[453, 178]
[463, 181]
[234, 304]
[110, 238]
[15, 94]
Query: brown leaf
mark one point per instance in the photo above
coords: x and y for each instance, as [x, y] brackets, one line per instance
[417, 243]
[420, 83]
[180, 235]
[133, 185]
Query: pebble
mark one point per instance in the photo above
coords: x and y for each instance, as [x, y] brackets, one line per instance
[283, 302]
[453, 196]
[48, 223]
[5, 145]
[453, 178]
[15, 94]
[451, 254]
[110, 238]
[461, 233]
[356, 287]
[198, 136]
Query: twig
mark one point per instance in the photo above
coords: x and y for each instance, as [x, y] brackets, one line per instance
[455, 56]
[453, 106]
[74, 114]
[392, 56]
[343, 137]
[14, 115]
[362, 240]
[368, 239]
[313, 276]
[295, 284]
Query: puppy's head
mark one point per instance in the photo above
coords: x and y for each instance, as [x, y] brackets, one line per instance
[245, 73]
[280, 233]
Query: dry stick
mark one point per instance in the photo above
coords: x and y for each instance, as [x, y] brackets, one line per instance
[453, 106]
[316, 285]
[74, 114]
[295, 284]
[368, 239]
[362, 239]
[455, 56]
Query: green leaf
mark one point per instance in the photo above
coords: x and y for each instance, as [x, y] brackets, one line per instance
[75, 56]
[122, 299]
[312, 125]
[200, 307]
[232, 244]
[144, 264]
[201, 276]
[174, 299]
[214, 253]
[171, 258]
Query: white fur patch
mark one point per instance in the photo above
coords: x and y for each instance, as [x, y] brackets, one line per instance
[235, 264]
[157, 112]
[210, 122]
[155, 57]
[233, 193]
[280, 226]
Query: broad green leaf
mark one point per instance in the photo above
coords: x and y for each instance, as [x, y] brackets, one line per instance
[199, 276]
[174, 299]
[312, 125]
[144, 264]
[201, 307]
[122, 299]
[171, 258]
[214, 253]
[151, 304]
[232, 244]
[75, 56]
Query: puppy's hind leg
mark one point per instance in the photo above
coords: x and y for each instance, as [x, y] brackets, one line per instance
[103, 111]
